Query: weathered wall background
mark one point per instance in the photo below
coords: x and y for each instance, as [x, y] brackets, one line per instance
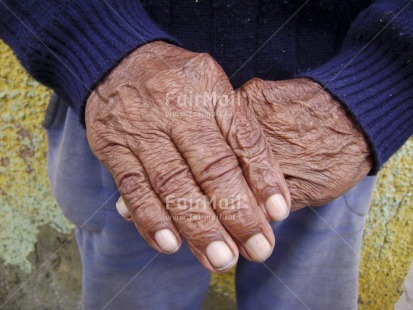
[39, 265]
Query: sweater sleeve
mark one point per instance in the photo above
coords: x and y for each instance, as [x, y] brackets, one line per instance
[70, 46]
[372, 75]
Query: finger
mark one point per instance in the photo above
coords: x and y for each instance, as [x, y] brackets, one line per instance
[123, 209]
[216, 170]
[299, 194]
[247, 140]
[143, 205]
[244, 135]
[191, 212]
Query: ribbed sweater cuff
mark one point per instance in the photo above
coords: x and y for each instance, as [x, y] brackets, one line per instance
[71, 45]
[377, 88]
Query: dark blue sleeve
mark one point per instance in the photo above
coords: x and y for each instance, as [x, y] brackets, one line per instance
[373, 75]
[70, 46]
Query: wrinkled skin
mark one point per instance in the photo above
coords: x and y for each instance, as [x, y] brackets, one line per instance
[165, 151]
[320, 149]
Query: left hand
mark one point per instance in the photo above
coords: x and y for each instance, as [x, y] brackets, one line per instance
[180, 147]
[319, 147]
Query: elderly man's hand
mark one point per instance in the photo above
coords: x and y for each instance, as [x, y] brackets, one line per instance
[168, 126]
[320, 149]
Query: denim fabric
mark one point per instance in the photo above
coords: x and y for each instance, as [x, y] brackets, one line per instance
[316, 258]
[314, 265]
[78, 181]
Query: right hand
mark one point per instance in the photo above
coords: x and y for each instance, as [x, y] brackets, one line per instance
[165, 122]
[319, 146]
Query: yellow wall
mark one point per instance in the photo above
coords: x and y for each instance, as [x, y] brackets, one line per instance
[25, 201]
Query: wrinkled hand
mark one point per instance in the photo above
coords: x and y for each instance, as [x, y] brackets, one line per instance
[167, 124]
[318, 146]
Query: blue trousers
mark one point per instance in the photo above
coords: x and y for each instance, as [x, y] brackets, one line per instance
[314, 265]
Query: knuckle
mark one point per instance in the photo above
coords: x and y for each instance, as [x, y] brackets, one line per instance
[220, 167]
[251, 148]
[143, 205]
[175, 180]
[132, 184]
[253, 83]
[245, 134]
[204, 65]
[141, 202]
[262, 177]
[249, 136]
[253, 91]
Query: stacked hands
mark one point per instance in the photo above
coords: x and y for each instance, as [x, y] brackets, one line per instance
[195, 160]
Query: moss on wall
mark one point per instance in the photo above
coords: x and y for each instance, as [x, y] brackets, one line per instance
[26, 204]
[25, 200]
[388, 237]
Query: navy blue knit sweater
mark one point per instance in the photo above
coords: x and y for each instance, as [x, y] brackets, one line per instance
[361, 52]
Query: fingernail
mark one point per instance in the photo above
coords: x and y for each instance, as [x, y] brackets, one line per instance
[166, 240]
[122, 209]
[219, 254]
[276, 207]
[258, 248]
